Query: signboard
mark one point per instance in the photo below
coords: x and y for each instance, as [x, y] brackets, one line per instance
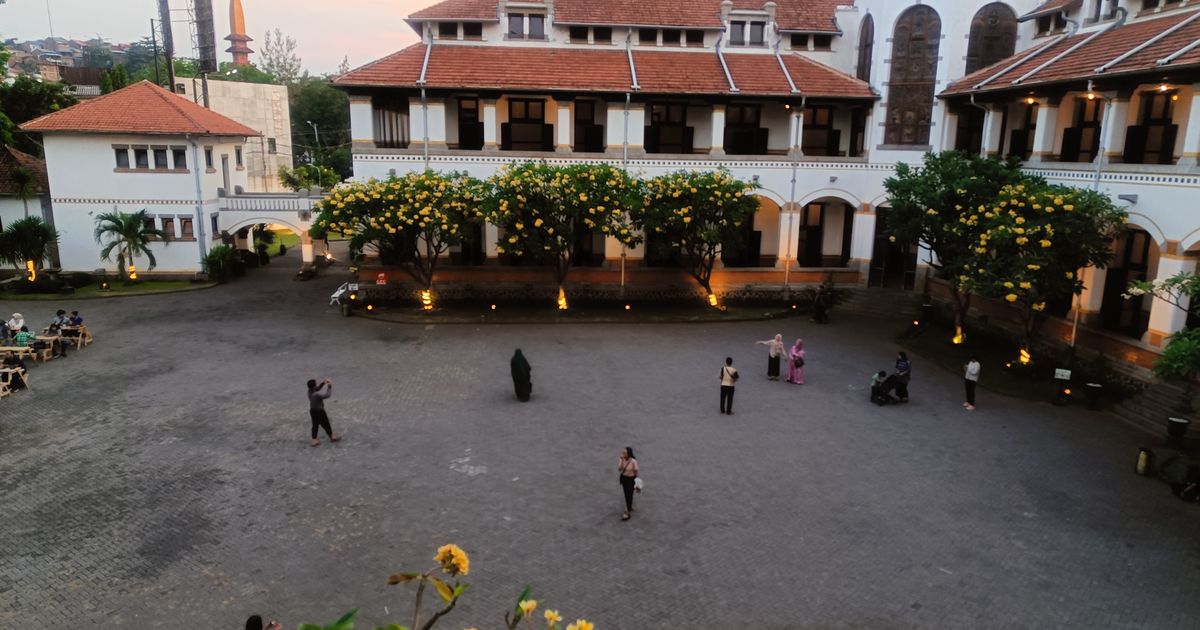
[381, 278]
[206, 38]
[353, 286]
[1062, 375]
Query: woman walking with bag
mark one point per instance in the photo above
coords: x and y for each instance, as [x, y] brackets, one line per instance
[775, 352]
[628, 466]
[796, 363]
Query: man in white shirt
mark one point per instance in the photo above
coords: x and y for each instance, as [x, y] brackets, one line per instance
[971, 379]
[729, 376]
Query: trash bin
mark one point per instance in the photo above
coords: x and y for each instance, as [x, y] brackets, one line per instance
[1145, 462]
[1095, 395]
[1177, 428]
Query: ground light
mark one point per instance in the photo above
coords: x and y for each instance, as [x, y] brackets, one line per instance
[104, 285]
[712, 300]
[132, 272]
[1024, 358]
[628, 307]
[427, 299]
[1064, 395]
[30, 270]
[329, 256]
[959, 336]
[370, 307]
[493, 307]
[562, 299]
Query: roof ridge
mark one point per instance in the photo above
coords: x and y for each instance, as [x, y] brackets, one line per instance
[90, 100]
[828, 68]
[382, 59]
[172, 100]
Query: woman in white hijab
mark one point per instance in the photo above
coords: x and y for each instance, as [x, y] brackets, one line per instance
[17, 321]
[775, 352]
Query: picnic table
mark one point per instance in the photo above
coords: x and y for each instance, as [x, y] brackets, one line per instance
[80, 334]
[20, 351]
[8, 373]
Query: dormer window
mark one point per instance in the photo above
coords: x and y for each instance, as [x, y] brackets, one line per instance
[579, 34]
[602, 35]
[447, 30]
[526, 26]
[648, 36]
[747, 33]
[695, 38]
[472, 30]
[1055, 23]
[672, 37]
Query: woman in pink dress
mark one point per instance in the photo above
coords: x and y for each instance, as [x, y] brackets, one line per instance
[796, 363]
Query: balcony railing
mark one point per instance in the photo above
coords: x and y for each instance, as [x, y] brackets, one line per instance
[746, 140]
[1150, 144]
[669, 139]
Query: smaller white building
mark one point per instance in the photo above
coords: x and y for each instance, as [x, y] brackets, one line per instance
[141, 148]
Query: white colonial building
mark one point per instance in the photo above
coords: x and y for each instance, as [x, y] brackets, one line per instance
[816, 100]
[141, 148]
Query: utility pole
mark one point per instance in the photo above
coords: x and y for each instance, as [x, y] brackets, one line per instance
[316, 154]
[154, 40]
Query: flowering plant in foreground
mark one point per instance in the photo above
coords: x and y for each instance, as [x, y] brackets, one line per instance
[454, 562]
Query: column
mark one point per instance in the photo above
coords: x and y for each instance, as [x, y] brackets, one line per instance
[562, 132]
[788, 236]
[306, 249]
[862, 241]
[428, 119]
[993, 128]
[1115, 124]
[1089, 302]
[615, 129]
[1167, 319]
[491, 234]
[796, 129]
[1047, 130]
[1191, 132]
[950, 131]
[490, 128]
[718, 130]
[362, 122]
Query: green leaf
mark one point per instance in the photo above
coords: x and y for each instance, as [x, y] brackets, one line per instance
[392, 626]
[401, 578]
[459, 589]
[345, 623]
[443, 590]
[309, 626]
[520, 598]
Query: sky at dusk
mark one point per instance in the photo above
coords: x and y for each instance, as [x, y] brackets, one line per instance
[325, 30]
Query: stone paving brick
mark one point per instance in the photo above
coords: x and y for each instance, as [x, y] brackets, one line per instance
[162, 478]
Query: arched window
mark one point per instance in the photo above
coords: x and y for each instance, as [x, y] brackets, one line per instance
[866, 46]
[993, 36]
[914, 71]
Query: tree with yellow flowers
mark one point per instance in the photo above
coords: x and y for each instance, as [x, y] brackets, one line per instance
[696, 212]
[1031, 242]
[543, 210]
[411, 220]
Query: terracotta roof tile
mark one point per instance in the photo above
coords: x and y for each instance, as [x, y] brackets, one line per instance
[458, 10]
[695, 13]
[1081, 64]
[808, 15]
[556, 69]
[1050, 6]
[12, 159]
[142, 108]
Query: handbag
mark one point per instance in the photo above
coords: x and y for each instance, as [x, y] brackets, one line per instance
[798, 362]
[637, 484]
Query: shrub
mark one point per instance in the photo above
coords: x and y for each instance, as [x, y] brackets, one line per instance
[78, 280]
[249, 259]
[223, 263]
[44, 284]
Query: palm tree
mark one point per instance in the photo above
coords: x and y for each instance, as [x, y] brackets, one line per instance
[27, 239]
[26, 186]
[129, 236]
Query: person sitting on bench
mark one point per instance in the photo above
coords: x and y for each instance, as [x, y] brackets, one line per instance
[16, 380]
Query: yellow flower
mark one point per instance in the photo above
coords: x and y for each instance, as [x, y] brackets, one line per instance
[1021, 240]
[1045, 243]
[1068, 207]
[1040, 306]
[552, 617]
[527, 606]
[1008, 285]
[453, 560]
[1011, 297]
[892, 239]
[1070, 275]
[1026, 285]
[538, 223]
[580, 624]
[1033, 267]
[1020, 220]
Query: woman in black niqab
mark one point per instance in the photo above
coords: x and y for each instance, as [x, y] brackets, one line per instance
[521, 376]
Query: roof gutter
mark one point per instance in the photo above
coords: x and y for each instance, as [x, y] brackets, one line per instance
[1085, 41]
[632, 65]
[1022, 60]
[724, 66]
[787, 75]
[1142, 46]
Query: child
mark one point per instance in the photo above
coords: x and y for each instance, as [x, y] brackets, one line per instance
[879, 395]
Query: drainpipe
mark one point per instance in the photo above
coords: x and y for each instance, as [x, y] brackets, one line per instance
[1095, 187]
[625, 145]
[199, 223]
[986, 112]
[787, 259]
[733, 89]
[428, 37]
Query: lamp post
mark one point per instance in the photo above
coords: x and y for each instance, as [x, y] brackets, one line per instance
[316, 139]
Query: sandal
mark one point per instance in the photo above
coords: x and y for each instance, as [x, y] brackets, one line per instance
[625, 516]
[335, 439]
[316, 442]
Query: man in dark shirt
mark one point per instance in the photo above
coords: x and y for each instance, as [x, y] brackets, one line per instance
[317, 393]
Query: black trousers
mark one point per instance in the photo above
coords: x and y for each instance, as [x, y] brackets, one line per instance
[773, 367]
[320, 419]
[970, 391]
[727, 399]
[627, 488]
[902, 389]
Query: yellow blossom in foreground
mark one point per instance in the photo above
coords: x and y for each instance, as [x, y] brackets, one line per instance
[1008, 285]
[527, 606]
[1070, 275]
[552, 616]
[1033, 267]
[1045, 243]
[1011, 297]
[453, 560]
[1026, 285]
[581, 624]
[1039, 307]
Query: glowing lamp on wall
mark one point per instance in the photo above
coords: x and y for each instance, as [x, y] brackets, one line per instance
[1029, 100]
[712, 299]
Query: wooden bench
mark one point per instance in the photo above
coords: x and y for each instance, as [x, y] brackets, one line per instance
[21, 351]
[9, 372]
[82, 339]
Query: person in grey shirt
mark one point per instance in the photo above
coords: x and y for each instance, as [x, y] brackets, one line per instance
[317, 393]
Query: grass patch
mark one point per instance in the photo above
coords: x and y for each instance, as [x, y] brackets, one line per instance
[285, 238]
[116, 289]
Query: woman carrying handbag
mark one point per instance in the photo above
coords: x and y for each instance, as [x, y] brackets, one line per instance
[628, 467]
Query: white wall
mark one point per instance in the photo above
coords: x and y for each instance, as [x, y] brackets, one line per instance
[264, 108]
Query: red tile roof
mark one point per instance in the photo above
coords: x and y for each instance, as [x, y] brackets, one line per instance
[792, 15]
[12, 159]
[142, 108]
[557, 69]
[1049, 7]
[458, 10]
[1082, 63]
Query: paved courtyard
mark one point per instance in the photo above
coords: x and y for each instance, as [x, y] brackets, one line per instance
[162, 478]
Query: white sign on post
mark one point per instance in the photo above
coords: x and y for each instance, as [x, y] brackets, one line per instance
[1062, 375]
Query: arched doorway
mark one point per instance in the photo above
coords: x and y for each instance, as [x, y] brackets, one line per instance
[823, 231]
[757, 245]
[241, 231]
[1135, 257]
[893, 265]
